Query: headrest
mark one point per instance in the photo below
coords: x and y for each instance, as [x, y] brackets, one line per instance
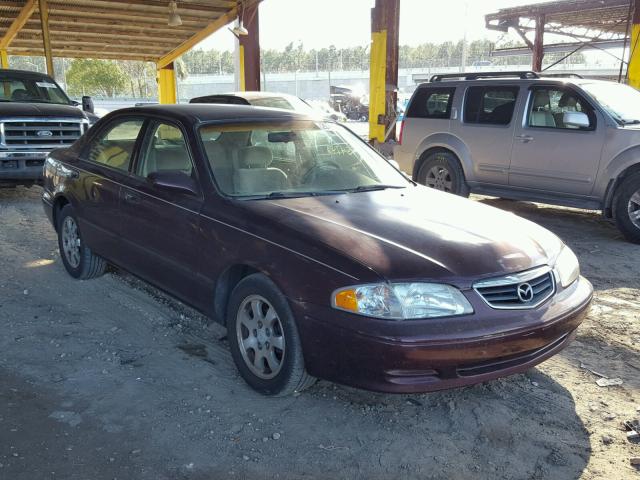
[255, 157]
[213, 150]
[567, 100]
[20, 94]
[541, 99]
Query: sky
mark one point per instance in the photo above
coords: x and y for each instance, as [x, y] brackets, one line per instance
[346, 23]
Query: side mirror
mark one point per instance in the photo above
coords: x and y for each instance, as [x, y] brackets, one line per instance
[173, 180]
[575, 119]
[87, 104]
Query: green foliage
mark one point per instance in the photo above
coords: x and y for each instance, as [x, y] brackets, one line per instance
[96, 77]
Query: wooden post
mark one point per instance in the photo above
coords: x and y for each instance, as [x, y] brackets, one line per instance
[46, 40]
[167, 84]
[4, 59]
[538, 45]
[250, 49]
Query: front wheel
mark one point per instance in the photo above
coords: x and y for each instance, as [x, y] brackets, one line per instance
[627, 208]
[77, 258]
[442, 171]
[264, 339]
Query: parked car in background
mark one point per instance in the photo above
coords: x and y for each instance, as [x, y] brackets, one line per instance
[258, 99]
[318, 255]
[326, 110]
[571, 141]
[36, 116]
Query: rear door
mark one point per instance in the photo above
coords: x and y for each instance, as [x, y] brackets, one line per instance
[551, 156]
[487, 129]
[105, 165]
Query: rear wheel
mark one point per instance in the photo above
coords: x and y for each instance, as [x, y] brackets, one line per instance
[264, 339]
[627, 208]
[77, 258]
[441, 170]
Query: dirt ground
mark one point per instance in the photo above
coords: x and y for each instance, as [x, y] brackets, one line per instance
[108, 379]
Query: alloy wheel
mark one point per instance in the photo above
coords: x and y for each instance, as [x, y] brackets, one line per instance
[634, 209]
[260, 337]
[71, 242]
[439, 178]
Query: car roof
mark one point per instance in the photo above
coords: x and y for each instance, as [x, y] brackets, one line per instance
[24, 73]
[221, 113]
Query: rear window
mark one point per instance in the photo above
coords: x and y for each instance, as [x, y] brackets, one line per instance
[490, 105]
[431, 103]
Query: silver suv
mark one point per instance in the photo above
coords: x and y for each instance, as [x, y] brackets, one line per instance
[516, 135]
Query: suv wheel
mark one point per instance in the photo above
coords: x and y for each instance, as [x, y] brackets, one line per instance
[264, 339]
[442, 171]
[77, 258]
[627, 208]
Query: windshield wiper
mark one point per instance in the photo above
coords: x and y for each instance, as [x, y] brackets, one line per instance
[371, 188]
[276, 195]
[630, 122]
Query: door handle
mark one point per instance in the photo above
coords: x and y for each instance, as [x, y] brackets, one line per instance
[131, 197]
[524, 138]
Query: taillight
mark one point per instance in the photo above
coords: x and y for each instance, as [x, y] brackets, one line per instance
[401, 131]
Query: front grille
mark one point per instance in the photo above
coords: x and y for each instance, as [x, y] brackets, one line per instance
[40, 133]
[518, 291]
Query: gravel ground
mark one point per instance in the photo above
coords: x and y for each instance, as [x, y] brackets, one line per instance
[109, 379]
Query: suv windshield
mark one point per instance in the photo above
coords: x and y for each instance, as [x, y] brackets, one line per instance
[293, 159]
[15, 88]
[621, 101]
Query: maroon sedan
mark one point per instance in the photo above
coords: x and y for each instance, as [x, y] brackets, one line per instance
[320, 257]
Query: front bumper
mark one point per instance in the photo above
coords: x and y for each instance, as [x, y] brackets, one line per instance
[429, 355]
[21, 167]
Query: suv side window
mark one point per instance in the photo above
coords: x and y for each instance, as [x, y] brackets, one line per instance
[165, 149]
[490, 105]
[431, 103]
[114, 145]
[547, 106]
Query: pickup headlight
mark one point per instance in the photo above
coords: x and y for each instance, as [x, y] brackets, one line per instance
[402, 301]
[567, 267]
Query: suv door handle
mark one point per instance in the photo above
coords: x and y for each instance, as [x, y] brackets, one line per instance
[524, 138]
[131, 198]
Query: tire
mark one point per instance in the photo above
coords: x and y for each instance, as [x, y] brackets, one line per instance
[626, 207]
[266, 351]
[442, 171]
[79, 261]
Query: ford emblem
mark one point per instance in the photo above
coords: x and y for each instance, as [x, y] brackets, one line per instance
[44, 133]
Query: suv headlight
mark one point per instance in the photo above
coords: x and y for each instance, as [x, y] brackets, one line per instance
[567, 267]
[402, 301]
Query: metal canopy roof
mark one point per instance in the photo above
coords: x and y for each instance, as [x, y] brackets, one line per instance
[112, 29]
[594, 15]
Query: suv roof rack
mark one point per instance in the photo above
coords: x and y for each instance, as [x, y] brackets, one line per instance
[561, 75]
[477, 75]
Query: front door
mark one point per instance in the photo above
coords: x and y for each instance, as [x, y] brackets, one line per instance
[551, 156]
[160, 225]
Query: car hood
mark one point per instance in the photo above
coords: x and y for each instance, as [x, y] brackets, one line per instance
[419, 233]
[20, 109]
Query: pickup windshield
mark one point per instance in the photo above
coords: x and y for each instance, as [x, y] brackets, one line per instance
[621, 101]
[14, 88]
[294, 159]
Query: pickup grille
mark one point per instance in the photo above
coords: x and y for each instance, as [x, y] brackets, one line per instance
[518, 291]
[40, 134]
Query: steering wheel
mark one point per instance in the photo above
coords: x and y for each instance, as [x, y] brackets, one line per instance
[310, 176]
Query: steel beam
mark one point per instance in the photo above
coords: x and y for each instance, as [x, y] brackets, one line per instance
[385, 23]
[46, 39]
[633, 72]
[249, 52]
[167, 86]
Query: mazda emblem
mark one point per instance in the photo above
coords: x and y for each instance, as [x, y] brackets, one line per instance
[525, 292]
[44, 133]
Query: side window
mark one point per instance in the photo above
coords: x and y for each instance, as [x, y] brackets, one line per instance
[548, 105]
[492, 105]
[165, 149]
[114, 145]
[431, 103]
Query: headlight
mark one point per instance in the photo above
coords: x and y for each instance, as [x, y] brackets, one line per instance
[402, 301]
[567, 268]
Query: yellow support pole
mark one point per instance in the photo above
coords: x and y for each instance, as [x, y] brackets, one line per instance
[377, 84]
[243, 81]
[634, 57]
[4, 59]
[167, 84]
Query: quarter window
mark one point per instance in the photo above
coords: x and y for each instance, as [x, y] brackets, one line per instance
[547, 108]
[431, 103]
[113, 146]
[165, 150]
[490, 105]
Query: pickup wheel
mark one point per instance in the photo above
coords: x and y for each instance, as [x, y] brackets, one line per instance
[627, 208]
[442, 171]
[77, 258]
[264, 339]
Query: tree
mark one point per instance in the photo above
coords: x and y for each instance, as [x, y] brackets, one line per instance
[96, 77]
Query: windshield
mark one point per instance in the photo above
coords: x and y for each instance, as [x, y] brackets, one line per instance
[620, 101]
[292, 159]
[15, 88]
